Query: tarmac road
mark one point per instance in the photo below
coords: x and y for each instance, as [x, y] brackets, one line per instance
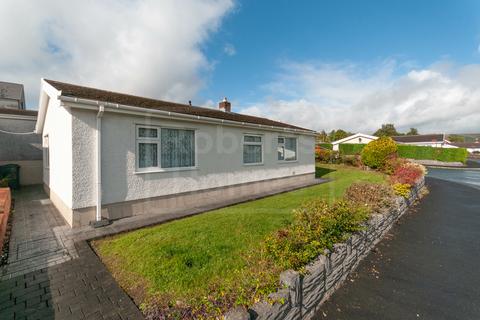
[428, 266]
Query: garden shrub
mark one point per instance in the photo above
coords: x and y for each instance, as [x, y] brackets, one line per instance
[4, 183]
[323, 155]
[392, 163]
[431, 153]
[374, 196]
[324, 145]
[402, 189]
[376, 153]
[351, 160]
[326, 156]
[317, 226]
[350, 148]
[408, 173]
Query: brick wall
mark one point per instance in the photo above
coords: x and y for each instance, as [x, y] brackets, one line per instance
[5, 206]
[302, 295]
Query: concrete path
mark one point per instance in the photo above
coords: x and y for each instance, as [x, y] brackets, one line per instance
[426, 268]
[34, 244]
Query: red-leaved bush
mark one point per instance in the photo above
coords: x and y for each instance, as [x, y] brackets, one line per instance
[407, 173]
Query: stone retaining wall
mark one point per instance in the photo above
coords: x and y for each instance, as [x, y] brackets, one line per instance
[302, 295]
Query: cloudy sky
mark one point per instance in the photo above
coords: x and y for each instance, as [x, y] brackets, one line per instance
[318, 64]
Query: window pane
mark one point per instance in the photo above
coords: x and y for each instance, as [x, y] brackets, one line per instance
[252, 154]
[147, 155]
[281, 140]
[281, 152]
[290, 149]
[147, 133]
[178, 148]
[252, 139]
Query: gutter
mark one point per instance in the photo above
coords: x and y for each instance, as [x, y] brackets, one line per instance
[132, 110]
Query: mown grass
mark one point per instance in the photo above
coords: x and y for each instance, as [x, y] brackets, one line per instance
[180, 260]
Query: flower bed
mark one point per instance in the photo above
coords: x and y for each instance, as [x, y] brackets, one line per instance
[326, 241]
[302, 292]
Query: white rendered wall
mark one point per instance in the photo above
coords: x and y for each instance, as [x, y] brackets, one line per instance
[356, 140]
[219, 159]
[58, 127]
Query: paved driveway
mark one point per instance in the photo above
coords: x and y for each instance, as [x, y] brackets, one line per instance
[426, 268]
[49, 275]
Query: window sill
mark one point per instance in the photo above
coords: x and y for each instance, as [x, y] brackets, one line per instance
[286, 161]
[253, 164]
[159, 170]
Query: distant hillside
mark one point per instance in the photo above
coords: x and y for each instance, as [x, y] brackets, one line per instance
[469, 137]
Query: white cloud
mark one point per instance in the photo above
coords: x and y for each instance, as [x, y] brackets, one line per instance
[149, 47]
[442, 97]
[229, 49]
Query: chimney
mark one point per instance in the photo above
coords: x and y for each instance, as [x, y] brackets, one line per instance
[225, 105]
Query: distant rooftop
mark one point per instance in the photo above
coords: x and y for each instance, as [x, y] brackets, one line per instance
[12, 95]
[419, 138]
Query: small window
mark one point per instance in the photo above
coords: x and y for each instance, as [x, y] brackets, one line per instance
[147, 133]
[287, 149]
[147, 147]
[252, 149]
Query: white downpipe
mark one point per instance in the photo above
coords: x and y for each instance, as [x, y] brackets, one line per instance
[101, 110]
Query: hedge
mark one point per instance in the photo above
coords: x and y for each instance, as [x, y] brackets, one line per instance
[350, 148]
[431, 153]
[328, 146]
[415, 152]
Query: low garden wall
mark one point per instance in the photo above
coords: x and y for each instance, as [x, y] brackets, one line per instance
[303, 294]
[5, 206]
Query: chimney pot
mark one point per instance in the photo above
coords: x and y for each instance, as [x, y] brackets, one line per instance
[225, 105]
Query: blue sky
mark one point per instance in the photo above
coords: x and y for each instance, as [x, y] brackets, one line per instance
[266, 33]
[316, 64]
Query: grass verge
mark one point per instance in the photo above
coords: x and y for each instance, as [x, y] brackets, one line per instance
[204, 264]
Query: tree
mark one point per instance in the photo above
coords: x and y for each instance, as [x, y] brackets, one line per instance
[322, 137]
[412, 132]
[387, 130]
[335, 135]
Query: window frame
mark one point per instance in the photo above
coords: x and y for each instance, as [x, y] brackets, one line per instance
[158, 141]
[244, 143]
[283, 145]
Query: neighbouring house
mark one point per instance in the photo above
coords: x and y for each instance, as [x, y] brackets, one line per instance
[114, 155]
[470, 146]
[12, 95]
[358, 138]
[427, 140]
[19, 145]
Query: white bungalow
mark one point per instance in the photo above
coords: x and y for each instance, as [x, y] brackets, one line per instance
[358, 138]
[111, 155]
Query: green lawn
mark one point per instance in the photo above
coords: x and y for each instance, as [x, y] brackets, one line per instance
[181, 259]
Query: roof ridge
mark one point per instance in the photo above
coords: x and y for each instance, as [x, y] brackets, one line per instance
[156, 104]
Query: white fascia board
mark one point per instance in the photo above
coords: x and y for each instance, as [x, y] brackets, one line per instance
[47, 92]
[138, 111]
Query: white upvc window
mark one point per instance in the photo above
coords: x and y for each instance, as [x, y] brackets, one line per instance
[287, 149]
[161, 148]
[252, 149]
